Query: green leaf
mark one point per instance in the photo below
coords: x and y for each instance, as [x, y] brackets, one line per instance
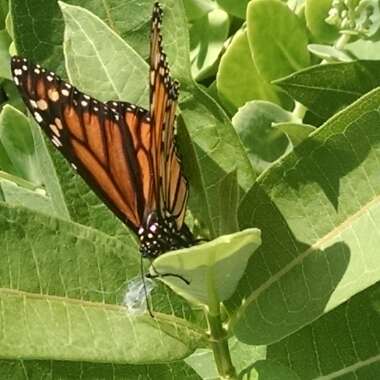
[22, 141]
[228, 204]
[17, 140]
[363, 49]
[99, 62]
[58, 328]
[3, 12]
[343, 342]
[213, 269]
[238, 80]
[263, 143]
[196, 9]
[329, 53]
[5, 41]
[318, 211]
[325, 89]
[21, 196]
[268, 370]
[272, 20]
[316, 11]
[296, 132]
[207, 36]
[40, 369]
[243, 356]
[41, 25]
[233, 7]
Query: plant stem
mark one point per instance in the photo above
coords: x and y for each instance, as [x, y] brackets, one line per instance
[219, 345]
[299, 110]
[342, 41]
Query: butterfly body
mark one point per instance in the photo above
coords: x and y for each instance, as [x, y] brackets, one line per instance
[125, 153]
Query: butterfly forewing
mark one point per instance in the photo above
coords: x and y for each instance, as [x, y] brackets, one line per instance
[171, 185]
[89, 134]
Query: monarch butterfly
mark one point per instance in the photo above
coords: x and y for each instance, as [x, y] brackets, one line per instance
[125, 153]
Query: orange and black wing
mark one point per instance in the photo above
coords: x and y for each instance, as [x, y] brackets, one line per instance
[170, 185]
[91, 136]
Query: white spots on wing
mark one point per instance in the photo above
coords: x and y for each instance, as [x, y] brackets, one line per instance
[94, 101]
[38, 117]
[56, 141]
[38, 66]
[65, 92]
[116, 117]
[153, 227]
[152, 75]
[33, 103]
[68, 85]
[15, 79]
[75, 102]
[114, 104]
[49, 78]
[37, 70]
[86, 97]
[55, 130]
[51, 73]
[150, 236]
[58, 123]
[42, 104]
[24, 60]
[84, 103]
[17, 72]
[74, 166]
[24, 67]
[96, 109]
[53, 94]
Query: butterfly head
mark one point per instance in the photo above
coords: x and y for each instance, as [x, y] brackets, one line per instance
[161, 234]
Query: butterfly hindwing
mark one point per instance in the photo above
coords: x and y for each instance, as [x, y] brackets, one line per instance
[88, 133]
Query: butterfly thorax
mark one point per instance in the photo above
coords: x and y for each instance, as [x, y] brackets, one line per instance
[161, 234]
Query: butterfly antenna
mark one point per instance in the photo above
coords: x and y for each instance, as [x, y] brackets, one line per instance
[158, 274]
[144, 286]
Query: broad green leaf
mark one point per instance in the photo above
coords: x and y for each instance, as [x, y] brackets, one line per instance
[318, 209]
[243, 356]
[38, 31]
[99, 62]
[63, 258]
[21, 139]
[268, 370]
[61, 328]
[207, 37]
[6, 164]
[343, 344]
[5, 41]
[296, 132]
[316, 11]
[363, 49]
[277, 39]
[228, 204]
[4, 8]
[41, 369]
[263, 143]
[238, 80]
[213, 269]
[329, 53]
[325, 89]
[16, 195]
[196, 9]
[17, 140]
[235, 8]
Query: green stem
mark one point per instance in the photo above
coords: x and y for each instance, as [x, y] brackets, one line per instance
[219, 345]
[299, 110]
[342, 41]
